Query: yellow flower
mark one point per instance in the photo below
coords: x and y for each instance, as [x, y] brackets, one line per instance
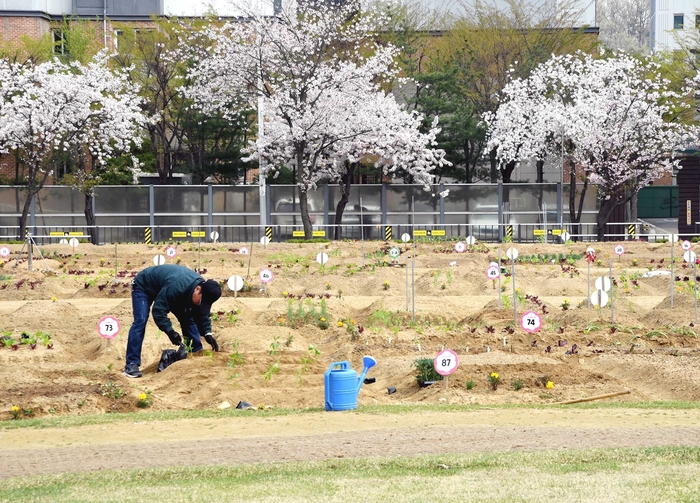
[494, 375]
[143, 396]
[340, 323]
[284, 294]
[550, 384]
[53, 299]
[353, 322]
[323, 319]
[15, 408]
[281, 320]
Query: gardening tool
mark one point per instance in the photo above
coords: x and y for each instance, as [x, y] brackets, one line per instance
[342, 384]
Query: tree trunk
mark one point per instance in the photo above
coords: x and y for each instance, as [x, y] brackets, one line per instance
[494, 166]
[90, 219]
[345, 185]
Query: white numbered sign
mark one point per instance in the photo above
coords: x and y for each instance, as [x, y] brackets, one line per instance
[235, 283]
[565, 236]
[405, 237]
[214, 236]
[446, 362]
[243, 250]
[264, 241]
[460, 247]
[619, 250]
[690, 257]
[73, 243]
[171, 251]
[4, 251]
[394, 252]
[108, 327]
[599, 298]
[322, 258]
[530, 321]
[159, 260]
[686, 245]
[493, 272]
[603, 283]
[266, 275]
[470, 240]
[63, 241]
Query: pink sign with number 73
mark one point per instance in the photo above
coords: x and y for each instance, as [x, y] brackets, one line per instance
[108, 327]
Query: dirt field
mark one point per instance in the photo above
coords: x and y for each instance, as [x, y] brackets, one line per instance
[274, 355]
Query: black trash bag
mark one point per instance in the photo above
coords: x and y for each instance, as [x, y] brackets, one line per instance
[170, 356]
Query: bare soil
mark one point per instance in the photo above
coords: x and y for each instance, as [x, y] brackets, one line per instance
[652, 350]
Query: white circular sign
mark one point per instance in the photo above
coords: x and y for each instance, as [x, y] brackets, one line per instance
[264, 241]
[159, 260]
[73, 242]
[446, 362]
[673, 237]
[493, 272]
[108, 327]
[619, 250]
[512, 253]
[460, 247]
[266, 275]
[590, 250]
[63, 241]
[599, 298]
[394, 252]
[4, 251]
[530, 321]
[470, 240]
[322, 258]
[686, 245]
[405, 237]
[243, 250]
[565, 236]
[235, 283]
[171, 251]
[690, 257]
[603, 283]
[214, 236]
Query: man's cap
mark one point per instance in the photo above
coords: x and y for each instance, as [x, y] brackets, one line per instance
[211, 291]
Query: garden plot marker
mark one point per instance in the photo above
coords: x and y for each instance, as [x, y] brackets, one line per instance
[470, 240]
[445, 363]
[235, 283]
[171, 252]
[673, 238]
[619, 250]
[214, 236]
[108, 328]
[530, 321]
[460, 247]
[159, 259]
[590, 257]
[322, 258]
[243, 251]
[264, 241]
[564, 237]
[265, 277]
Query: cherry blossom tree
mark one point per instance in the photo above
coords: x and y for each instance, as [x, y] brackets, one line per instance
[51, 109]
[618, 121]
[318, 71]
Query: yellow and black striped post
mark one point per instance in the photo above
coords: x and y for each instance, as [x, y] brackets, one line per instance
[387, 233]
[147, 236]
[268, 232]
[509, 231]
[631, 230]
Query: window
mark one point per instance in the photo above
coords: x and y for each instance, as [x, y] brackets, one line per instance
[678, 21]
[697, 20]
[59, 41]
[117, 35]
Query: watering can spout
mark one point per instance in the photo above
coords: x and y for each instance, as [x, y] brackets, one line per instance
[367, 362]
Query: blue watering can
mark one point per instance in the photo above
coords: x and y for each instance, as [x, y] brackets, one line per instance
[342, 384]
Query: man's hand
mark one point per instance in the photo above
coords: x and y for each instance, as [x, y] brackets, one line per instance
[175, 338]
[212, 342]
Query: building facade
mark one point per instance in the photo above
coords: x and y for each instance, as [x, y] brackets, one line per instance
[671, 22]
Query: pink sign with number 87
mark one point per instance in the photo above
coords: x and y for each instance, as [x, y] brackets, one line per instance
[446, 362]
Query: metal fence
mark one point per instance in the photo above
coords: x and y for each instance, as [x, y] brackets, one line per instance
[489, 212]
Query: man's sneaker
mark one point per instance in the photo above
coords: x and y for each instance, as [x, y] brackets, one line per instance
[132, 370]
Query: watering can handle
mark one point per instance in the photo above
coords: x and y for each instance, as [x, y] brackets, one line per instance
[340, 365]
